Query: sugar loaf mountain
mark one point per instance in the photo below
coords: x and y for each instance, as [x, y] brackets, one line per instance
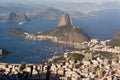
[65, 31]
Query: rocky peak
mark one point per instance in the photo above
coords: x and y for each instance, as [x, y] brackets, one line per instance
[65, 19]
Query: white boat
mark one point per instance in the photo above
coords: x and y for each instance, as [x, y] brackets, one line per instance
[20, 23]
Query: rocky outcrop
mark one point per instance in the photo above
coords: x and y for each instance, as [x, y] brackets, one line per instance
[115, 41]
[65, 19]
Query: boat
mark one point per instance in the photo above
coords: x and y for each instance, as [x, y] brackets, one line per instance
[20, 23]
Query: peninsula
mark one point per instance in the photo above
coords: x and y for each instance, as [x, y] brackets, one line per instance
[16, 32]
[65, 33]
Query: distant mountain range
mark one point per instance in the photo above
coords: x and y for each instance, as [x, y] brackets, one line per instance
[48, 13]
[84, 7]
[53, 10]
[33, 12]
[14, 18]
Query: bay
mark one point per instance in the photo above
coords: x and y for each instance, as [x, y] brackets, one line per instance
[102, 26]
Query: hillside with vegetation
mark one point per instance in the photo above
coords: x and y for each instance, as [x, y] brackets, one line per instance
[68, 33]
[16, 32]
[115, 40]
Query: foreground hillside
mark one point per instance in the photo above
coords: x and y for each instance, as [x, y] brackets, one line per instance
[116, 39]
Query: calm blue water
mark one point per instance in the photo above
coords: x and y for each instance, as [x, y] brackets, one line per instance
[28, 50]
[103, 26]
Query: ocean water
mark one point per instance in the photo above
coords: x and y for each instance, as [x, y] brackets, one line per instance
[28, 50]
[102, 26]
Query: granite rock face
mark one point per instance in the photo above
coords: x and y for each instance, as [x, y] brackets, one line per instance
[65, 19]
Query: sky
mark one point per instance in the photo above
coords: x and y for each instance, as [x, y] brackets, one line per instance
[40, 1]
[96, 1]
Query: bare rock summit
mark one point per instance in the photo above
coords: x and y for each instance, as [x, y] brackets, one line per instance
[65, 19]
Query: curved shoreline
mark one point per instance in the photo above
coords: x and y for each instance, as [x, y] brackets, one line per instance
[92, 45]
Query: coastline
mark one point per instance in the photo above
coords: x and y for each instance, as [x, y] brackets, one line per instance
[67, 65]
[91, 45]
